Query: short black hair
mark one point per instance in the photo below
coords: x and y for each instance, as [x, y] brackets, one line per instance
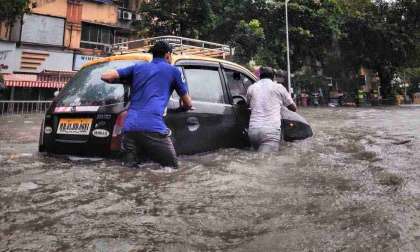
[160, 49]
[266, 73]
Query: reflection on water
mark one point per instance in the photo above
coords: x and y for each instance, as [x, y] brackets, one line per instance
[355, 186]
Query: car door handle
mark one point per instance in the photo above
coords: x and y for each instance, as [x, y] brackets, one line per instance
[193, 123]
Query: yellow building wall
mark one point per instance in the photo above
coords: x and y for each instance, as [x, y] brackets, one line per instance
[57, 8]
[99, 13]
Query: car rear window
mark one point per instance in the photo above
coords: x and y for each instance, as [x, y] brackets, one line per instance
[87, 89]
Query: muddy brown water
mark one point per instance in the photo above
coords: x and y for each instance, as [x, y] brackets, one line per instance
[355, 186]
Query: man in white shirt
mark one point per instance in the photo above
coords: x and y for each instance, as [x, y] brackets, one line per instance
[265, 99]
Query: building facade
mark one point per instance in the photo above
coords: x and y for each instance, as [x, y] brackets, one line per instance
[43, 50]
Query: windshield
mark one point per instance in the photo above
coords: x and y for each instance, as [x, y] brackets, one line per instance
[87, 89]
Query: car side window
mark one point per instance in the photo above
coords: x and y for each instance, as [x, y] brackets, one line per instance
[234, 82]
[204, 84]
[237, 82]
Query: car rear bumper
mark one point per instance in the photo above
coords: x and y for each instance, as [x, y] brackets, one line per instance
[77, 147]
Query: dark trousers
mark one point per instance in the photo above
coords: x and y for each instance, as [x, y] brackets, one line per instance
[143, 146]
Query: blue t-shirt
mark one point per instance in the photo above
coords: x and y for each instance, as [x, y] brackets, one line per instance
[152, 86]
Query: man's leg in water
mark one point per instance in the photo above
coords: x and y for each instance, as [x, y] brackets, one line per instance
[270, 140]
[254, 135]
[265, 140]
[159, 148]
[268, 147]
[129, 149]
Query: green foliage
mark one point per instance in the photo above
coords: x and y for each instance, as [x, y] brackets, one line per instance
[191, 18]
[255, 27]
[336, 36]
[377, 37]
[246, 40]
[11, 10]
[412, 76]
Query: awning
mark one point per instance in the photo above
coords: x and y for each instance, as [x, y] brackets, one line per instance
[34, 84]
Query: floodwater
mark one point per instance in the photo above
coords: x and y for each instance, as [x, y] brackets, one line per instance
[355, 186]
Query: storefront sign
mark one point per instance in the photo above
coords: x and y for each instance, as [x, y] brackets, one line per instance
[80, 60]
[4, 54]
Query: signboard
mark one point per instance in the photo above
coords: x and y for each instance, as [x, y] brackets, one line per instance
[8, 57]
[4, 54]
[170, 40]
[43, 29]
[80, 60]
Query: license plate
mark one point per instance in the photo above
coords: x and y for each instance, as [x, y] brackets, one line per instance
[80, 126]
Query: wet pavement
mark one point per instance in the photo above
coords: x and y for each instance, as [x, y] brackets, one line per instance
[355, 186]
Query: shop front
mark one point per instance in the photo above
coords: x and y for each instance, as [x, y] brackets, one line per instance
[30, 87]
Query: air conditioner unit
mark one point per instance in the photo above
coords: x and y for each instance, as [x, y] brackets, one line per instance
[120, 14]
[127, 15]
[138, 17]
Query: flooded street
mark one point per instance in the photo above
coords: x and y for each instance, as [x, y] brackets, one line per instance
[355, 186]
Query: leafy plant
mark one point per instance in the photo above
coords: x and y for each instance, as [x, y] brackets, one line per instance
[11, 10]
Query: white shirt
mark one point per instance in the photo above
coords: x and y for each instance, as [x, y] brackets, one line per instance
[265, 99]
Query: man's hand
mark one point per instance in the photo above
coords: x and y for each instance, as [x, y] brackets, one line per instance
[110, 76]
[185, 102]
[292, 107]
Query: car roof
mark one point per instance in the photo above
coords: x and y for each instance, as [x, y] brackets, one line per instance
[148, 57]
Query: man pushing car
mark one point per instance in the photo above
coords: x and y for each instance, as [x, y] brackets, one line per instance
[265, 98]
[145, 132]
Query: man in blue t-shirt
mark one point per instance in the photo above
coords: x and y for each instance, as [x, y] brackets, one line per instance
[145, 132]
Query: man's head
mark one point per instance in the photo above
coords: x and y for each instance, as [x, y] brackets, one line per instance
[162, 50]
[266, 73]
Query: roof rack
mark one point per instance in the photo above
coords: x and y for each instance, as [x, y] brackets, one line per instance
[181, 46]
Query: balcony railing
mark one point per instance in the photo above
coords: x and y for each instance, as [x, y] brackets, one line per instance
[95, 45]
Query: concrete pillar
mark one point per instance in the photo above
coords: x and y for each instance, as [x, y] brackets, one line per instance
[73, 24]
[12, 94]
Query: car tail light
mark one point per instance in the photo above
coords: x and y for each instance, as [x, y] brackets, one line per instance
[119, 124]
[117, 132]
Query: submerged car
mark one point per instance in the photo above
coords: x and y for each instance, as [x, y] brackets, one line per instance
[87, 116]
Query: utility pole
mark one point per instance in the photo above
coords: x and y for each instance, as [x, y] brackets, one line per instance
[289, 79]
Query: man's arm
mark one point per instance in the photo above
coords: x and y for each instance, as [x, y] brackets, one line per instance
[110, 76]
[248, 95]
[287, 99]
[182, 90]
